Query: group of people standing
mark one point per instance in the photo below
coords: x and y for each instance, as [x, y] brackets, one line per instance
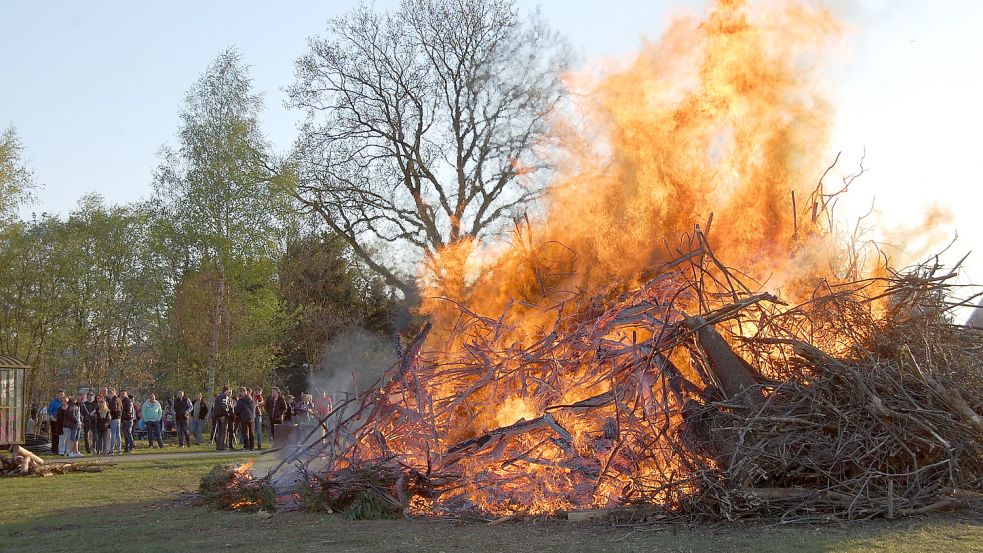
[242, 417]
[105, 421]
[106, 417]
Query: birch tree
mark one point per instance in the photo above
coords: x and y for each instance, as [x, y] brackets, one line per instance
[215, 187]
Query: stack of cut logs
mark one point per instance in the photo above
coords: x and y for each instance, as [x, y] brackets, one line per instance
[21, 462]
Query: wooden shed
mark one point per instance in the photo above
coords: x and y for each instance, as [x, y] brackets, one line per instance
[13, 404]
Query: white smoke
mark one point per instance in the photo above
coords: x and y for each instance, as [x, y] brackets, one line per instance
[352, 362]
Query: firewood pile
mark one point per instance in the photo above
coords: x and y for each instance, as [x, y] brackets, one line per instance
[692, 394]
[21, 462]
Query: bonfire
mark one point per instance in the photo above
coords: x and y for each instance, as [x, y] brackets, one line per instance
[685, 333]
[686, 396]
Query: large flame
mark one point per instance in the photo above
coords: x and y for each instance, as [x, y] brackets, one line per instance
[721, 119]
[722, 116]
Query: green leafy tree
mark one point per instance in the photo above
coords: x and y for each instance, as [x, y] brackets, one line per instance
[16, 179]
[215, 189]
[323, 292]
[78, 299]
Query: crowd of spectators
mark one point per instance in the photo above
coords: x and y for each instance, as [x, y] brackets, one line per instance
[108, 422]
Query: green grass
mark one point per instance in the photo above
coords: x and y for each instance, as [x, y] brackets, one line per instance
[138, 506]
[170, 446]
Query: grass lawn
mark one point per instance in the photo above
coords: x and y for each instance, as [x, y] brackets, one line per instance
[137, 506]
[170, 446]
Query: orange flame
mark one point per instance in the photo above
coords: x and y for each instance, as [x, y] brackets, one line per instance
[720, 117]
[720, 120]
[243, 469]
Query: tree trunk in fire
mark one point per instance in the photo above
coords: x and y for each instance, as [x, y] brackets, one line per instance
[735, 378]
[733, 375]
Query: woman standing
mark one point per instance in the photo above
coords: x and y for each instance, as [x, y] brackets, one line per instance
[102, 419]
[116, 412]
[73, 424]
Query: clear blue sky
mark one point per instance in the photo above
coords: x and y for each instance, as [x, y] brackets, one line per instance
[94, 87]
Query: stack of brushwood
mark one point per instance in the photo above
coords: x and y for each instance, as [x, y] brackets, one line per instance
[21, 462]
[691, 395]
[232, 487]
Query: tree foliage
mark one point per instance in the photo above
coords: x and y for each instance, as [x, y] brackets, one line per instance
[215, 190]
[323, 292]
[16, 179]
[78, 299]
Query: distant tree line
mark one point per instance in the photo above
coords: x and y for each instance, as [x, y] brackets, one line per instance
[419, 133]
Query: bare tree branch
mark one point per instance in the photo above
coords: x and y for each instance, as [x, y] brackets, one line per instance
[417, 120]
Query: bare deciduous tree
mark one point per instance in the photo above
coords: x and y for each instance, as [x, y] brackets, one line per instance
[419, 122]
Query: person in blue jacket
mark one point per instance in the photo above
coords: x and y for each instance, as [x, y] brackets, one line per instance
[55, 428]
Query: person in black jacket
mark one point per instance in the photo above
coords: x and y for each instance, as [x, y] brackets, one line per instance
[276, 407]
[62, 438]
[222, 415]
[126, 417]
[182, 412]
[245, 412]
[116, 411]
[199, 410]
[87, 408]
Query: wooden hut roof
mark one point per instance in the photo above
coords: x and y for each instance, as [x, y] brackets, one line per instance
[9, 362]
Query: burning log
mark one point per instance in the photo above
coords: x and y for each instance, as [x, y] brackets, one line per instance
[732, 374]
[233, 487]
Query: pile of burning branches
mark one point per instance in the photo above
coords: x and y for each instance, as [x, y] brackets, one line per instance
[233, 487]
[690, 394]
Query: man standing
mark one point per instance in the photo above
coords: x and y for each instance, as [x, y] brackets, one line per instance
[126, 420]
[276, 407]
[199, 410]
[323, 406]
[232, 436]
[87, 408]
[60, 423]
[55, 429]
[152, 413]
[220, 411]
[259, 401]
[245, 412]
[182, 412]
